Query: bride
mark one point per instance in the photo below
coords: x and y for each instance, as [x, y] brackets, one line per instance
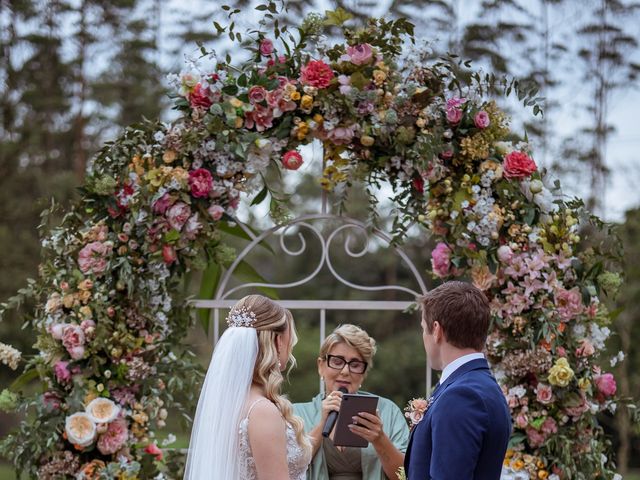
[243, 427]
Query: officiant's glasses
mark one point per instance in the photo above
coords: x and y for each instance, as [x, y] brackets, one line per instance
[355, 366]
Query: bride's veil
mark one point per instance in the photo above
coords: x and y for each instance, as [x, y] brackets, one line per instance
[213, 449]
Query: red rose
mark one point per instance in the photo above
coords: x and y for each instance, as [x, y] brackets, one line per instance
[292, 160]
[317, 74]
[199, 97]
[169, 254]
[518, 165]
[201, 182]
[418, 184]
[152, 449]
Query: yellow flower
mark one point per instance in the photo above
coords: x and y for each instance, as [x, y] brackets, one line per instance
[517, 464]
[561, 373]
[366, 140]
[584, 384]
[482, 277]
[236, 103]
[379, 77]
[295, 96]
[307, 102]
[169, 156]
[542, 474]
[318, 118]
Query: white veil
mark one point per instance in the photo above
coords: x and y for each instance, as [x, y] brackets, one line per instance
[213, 449]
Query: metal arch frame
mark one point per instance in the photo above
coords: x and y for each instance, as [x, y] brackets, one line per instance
[221, 299]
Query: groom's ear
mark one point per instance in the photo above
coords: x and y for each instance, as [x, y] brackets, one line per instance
[438, 333]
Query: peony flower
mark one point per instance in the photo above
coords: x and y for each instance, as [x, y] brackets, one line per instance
[153, 449]
[161, 205]
[200, 181]
[316, 73]
[544, 394]
[606, 384]
[440, 260]
[518, 165]
[73, 339]
[505, 254]
[80, 429]
[360, 54]
[102, 410]
[199, 97]
[114, 438]
[292, 160]
[62, 372]
[586, 348]
[178, 215]
[568, 303]
[561, 373]
[481, 119]
[266, 47]
[216, 211]
[93, 257]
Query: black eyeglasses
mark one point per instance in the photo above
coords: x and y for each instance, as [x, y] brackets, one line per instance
[355, 366]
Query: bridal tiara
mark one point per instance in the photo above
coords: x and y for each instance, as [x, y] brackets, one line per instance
[241, 317]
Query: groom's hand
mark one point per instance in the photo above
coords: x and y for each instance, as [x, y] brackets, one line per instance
[367, 426]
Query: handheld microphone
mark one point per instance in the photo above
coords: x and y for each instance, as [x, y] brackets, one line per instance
[331, 418]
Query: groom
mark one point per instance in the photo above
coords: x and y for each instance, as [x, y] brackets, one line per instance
[465, 430]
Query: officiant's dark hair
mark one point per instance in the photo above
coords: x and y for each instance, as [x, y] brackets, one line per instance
[463, 312]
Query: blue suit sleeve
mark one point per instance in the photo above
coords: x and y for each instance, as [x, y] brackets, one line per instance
[458, 423]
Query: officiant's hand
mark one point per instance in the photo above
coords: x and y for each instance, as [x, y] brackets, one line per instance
[367, 426]
[331, 403]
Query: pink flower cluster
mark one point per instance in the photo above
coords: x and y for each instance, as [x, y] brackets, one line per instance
[114, 438]
[453, 110]
[317, 74]
[441, 260]
[93, 258]
[518, 165]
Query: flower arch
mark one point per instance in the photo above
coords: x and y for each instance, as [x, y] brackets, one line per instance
[110, 319]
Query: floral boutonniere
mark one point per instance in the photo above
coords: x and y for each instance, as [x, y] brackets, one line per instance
[415, 410]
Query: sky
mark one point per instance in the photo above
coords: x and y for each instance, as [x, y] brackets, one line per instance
[623, 157]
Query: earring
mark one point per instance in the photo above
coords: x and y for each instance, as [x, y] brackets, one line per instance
[279, 365]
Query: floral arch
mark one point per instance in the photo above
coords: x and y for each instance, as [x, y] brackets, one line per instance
[110, 318]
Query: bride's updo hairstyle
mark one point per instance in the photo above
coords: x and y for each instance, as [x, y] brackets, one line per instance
[270, 321]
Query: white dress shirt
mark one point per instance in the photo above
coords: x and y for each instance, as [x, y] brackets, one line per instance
[457, 363]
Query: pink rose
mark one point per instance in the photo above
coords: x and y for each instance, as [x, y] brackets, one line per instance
[316, 73]
[544, 394]
[92, 258]
[160, 206]
[277, 101]
[62, 372]
[586, 349]
[521, 420]
[216, 211]
[360, 54]
[199, 97]
[481, 120]
[549, 426]
[505, 254]
[606, 384]
[518, 165]
[114, 438]
[568, 303]
[266, 47]
[200, 181]
[440, 260]
[178, 215]
[257, 94]
[73, 340]
[341, 135]
[535, 437]
[292, 160]
[152, 449]
[454, 115]
[261, 117]
[169, 254]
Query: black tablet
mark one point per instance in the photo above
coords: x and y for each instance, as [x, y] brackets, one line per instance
[352, 404]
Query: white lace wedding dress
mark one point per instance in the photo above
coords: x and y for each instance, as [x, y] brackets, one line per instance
[297, 459]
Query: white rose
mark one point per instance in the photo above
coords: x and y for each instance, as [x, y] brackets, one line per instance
[80, 429]
[102, 410]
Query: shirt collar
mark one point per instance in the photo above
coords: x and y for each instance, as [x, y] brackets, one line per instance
[457, 363]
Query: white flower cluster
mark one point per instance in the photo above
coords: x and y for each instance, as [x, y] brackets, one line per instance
[483, 223]
[9, 356]
[599, 336]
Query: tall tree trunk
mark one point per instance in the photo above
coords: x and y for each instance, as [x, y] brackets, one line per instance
[79, 124]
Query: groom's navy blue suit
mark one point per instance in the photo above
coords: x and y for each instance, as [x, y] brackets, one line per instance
[465, 431]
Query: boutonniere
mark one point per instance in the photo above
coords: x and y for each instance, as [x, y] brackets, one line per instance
[415, 410]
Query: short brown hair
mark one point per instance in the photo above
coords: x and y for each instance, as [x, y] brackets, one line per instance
[462, 311]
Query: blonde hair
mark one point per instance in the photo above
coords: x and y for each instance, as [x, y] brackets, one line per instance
[273, 320]
[353, 336]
